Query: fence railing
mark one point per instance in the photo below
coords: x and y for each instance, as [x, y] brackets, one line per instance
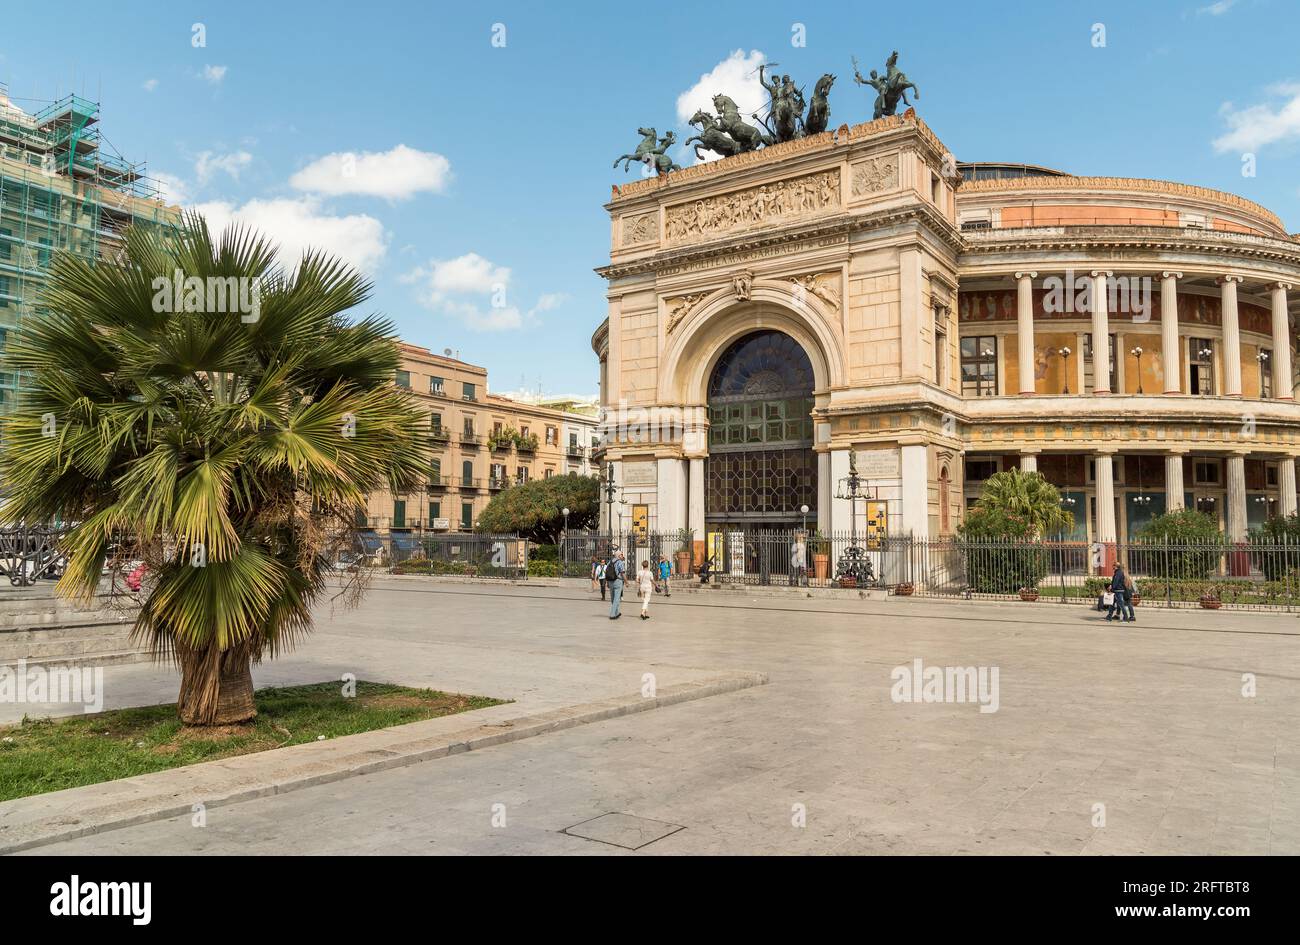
[1254, 574]
[28, 554]
[464, 554]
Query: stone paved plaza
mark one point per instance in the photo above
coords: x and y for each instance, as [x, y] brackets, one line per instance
[1148, 720]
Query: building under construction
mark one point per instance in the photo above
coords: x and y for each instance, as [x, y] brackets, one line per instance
[61, 188]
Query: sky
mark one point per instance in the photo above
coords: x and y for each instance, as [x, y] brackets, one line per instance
[459, 154]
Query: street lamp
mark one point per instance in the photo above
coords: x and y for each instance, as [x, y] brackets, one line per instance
[565, 511]
[1262, 358]
[803, 512]
[1065, 354]
[1137, 353]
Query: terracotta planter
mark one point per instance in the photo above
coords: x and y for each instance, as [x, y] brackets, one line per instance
[821, 566]
[1211, 603]
[1028, 594]
[905, 590]
[683, 562]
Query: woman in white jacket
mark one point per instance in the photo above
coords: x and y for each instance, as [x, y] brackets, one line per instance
[645, 584]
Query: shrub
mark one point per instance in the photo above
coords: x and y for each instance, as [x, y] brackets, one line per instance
[1190, 545]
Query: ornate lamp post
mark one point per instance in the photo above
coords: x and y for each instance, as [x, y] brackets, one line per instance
[854, 563]
[1262, 358]
[803, 515]
[1137, 353]
[1065, 356]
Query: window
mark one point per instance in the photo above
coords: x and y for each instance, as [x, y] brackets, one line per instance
[977, 470]
[468, 392]
[573, 441]
[936, 190]
[435, 512]
[359, 518]
[467, 515]
[467, 473]
[1206, 472]
[523, 432]
[552, 436]
[496, 428]
[435, 387]
[469, 426]
[940, 345]
[549, 473]
[435, 469]
[435, 421]
[521, 474]
[6, 247]
[498, 474]
[1265, 373]
[399, 513]
[979, 366]
[1200, 364]
[404, 379]
[1089, 376]
[1270, 475]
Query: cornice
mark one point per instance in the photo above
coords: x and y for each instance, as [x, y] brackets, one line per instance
[600, 339]
[983, 243]
[1166, 188]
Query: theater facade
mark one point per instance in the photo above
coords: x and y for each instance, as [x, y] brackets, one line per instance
[860, 293]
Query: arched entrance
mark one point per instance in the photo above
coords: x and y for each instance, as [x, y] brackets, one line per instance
[761, 467]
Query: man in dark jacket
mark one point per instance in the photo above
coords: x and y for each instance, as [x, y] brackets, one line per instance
[1119, 590]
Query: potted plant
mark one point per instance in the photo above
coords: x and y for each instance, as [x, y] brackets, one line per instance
[821, 556]
[1029, 594]
[683, 557]
[1210, 600]
[906, 589]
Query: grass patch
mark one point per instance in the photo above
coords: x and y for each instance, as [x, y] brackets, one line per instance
[41, 755]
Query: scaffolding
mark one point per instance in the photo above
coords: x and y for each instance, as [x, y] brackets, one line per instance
[62, 187]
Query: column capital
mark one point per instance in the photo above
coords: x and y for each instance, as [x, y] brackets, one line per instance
[1105, 452]
[1024, 274]
[1222, 280]
[1102, 273]
[1030, 451]
[1170, 274]
[1284, 286]
[1178, 451]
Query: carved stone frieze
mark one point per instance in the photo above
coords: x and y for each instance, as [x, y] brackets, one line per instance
[777, 202]
[874, 176]
[640, 229]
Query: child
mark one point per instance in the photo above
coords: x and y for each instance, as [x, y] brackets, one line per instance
[646, 585]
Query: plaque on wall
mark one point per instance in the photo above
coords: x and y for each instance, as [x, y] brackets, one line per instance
[879, 464]
[639, 473]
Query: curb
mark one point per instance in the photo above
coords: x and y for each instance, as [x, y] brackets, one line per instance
[164, 804]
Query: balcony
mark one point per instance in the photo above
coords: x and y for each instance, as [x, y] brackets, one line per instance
[441, 483]
[439, 436]
[574, 451]
[470, 440]
[500, 444]
[470, 484]
[497, 483]
[527, 445]
[439, 392]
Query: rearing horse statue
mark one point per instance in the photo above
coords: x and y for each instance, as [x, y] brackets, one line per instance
[711, 136]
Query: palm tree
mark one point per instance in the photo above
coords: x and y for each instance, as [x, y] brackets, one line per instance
[230, 450]
[1022, 504]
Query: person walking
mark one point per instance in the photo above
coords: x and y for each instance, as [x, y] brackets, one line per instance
[1130, 588]
[599, 571]
[1118, 593]
[665, 572]
[645, 581]
[615, 579]
[798, 563]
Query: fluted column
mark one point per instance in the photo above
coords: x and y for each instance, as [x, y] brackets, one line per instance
[1169, 332]
[1025, 329]
[1029, 461]
[1231, 337]
[1286, 504]
[1173, 482]
[1236, 497]
[1104, 466]
[1100, 333]
[1283, 388]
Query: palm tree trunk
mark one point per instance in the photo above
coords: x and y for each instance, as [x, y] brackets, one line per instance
[216, 686]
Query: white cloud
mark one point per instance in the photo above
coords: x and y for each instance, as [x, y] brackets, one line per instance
[736, 76]
[171, 188]
[214, 74]
[394, 175]
[208, 163]
[150, 84]
[1217, 9]
[476, 291]
[1257, 125]
[297, 224]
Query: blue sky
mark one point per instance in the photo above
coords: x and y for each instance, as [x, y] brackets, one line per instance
[474, 195]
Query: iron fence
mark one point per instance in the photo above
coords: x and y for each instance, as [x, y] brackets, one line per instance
[1262, 575]
[466, 554]
[31, 553]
